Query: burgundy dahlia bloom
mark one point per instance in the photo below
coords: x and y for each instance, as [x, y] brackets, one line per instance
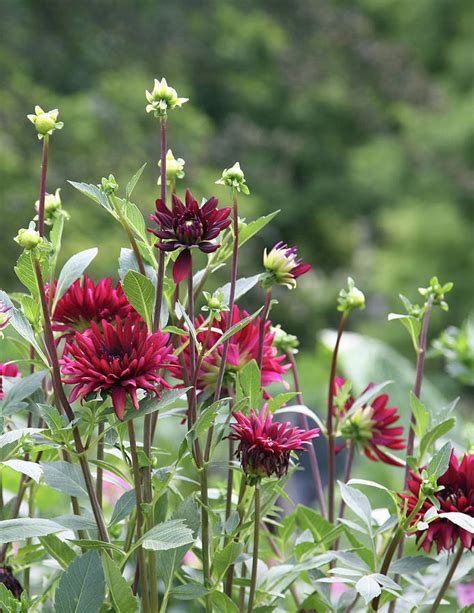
[12, 584]
[188, 226]
[7, 370]
[265, 446]
[243, 348]
[283, 266]
[86, 302]
[456, 497]
[371, 427]
[118, 360]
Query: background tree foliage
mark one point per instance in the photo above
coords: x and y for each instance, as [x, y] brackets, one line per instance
[353, 117]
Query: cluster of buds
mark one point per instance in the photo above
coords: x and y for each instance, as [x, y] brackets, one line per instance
[352, 298]
[45, 122]
[286, 343]
[52, 207]
[215, 304]
[162, 99]
[174, 168]
[29, 238]
[4, 317]
[282, 266]
[108, 186]
[234, 177]
[437, 292]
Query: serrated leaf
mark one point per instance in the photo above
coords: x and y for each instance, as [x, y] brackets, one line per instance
[72, 270]
[422, 416]
[21, 389]
[58, 549]
[358, 503]
[439, 463]
[189, 591]
[246, 231]
[167, 535]
[81, 588]
[120, 591]
[207, 417]
[94, 193]
[19, 322]
[75, 522]
[140, 292]
[64, 477]
[223, 604]
[30, 469]
[26, 527]
[224, 558]
[124, 506]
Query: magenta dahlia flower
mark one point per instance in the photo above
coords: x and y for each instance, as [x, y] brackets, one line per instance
[456, 497]
[371, 427]
[283, 266]
[243, 348]
[118, 360]
[7, 370]
[188, 226]
[86, 302]
[265, 446]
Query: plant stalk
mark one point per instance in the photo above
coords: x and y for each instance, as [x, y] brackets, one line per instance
[161, 257]
[256, 543]
[42, 191]
[449, 576]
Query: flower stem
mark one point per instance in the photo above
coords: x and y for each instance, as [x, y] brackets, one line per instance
[449, 576]
[100, 457]
[399, 533]
[263, 321]
[347, 472]
[64, 405]
[139, 529]
[161, 257]
[312, 452]
[331, 434]
[256, 542]
[42, 192]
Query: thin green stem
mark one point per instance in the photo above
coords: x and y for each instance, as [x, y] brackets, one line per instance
[42, 191]
[399, 533]
[449, 576]
[99, 482]
[256, 544]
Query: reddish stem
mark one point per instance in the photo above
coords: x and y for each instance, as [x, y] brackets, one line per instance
[42, 192]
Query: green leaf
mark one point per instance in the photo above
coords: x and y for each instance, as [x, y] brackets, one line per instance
[368, 588]
[134, 180]
[242, 286]
[94, 193]
[434, 434]
[422, 416]
[19, 322]
[207, 417]
[411, 565]
[190, 591]
[181, 313]
[15, 435]
[75, 522]
[279, 400]
[81, 588]
[26, 527]
[231, 331]
[72, 270]
[134, 218]
[140, 292]
[246, 231]
[124, 506]
[167, 535]
[8, 602]
[223, 604]
[224, 558]
[30, 469]
[58, 549]
[250, 381]
[120, 591]
[358, 503]
[64, 477]
[150, 405]
[22, 388]
[25, 271]
[439, 463]
[460, 519]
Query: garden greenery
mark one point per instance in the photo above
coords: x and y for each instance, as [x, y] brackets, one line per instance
[100, 365]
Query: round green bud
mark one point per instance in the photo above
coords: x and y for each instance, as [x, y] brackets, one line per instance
[45, 122]
[28, 238]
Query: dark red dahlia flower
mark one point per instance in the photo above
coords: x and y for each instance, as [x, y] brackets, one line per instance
[283, 266]
[188, 226]
[7, 370]
[370, 426]
[265, 446]
[456, 497]
[86, 302]
[118, 359]
[10, 581]
[243, 348]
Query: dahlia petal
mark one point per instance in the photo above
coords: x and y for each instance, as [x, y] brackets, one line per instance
[119, 399]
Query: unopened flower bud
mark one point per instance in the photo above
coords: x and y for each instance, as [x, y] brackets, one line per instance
[437, 292]
[215, 304]
[28, 238]
[352, 298]
[282, 266]
[52, 207]
[162, 98]
[283, 341]
[174, 168]
[234, 177]
[358, 426]
[108, 186]
[45, 122]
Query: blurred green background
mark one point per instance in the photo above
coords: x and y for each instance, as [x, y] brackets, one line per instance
[355, 118]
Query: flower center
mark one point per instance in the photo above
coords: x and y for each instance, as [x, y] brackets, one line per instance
[189, 229]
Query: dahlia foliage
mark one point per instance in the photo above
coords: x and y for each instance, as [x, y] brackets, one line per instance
[162, 407]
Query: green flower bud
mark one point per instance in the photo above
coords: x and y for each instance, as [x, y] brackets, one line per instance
[108, 186]
[358, 426]
[45, 122]
[174, 168]
[283, 341]
[162, 98]
[28, 238]
[52, 207]
[234, 178]
[215, 304]
[353, 298]
[437, 292]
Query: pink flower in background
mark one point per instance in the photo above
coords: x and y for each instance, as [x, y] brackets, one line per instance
[7, 370]
[114, 487]
[465, 594]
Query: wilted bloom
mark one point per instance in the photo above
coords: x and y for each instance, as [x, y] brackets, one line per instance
[7, 370]
[188, 226]
[234, 177]
[370, 426]
[265, 446]
[10, 581]
[4, 317]
[243, 348]
[28, 238]
[117, 360]
[457, 496]
[352, 298]
[282, 266]
[162, 98]
[85, 302]
[45, 122]
[174, 168]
